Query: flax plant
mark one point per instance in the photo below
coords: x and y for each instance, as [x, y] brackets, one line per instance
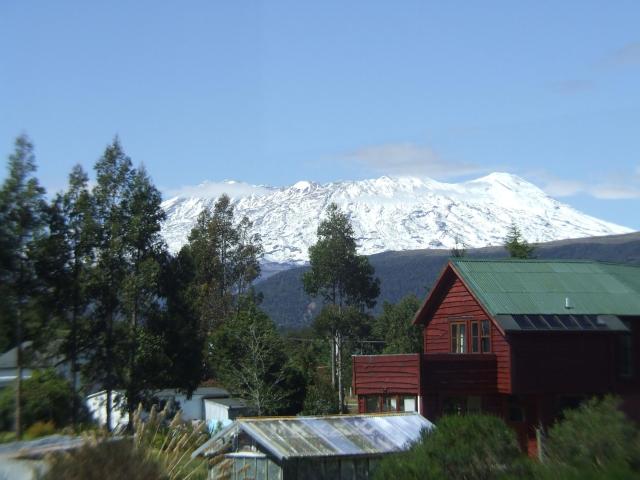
[178, 440]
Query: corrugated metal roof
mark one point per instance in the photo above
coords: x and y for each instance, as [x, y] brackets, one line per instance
[542, 286]
[341, 435]
[41, 447]
[228, 402]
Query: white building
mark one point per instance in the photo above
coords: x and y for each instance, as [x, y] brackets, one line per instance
[210, 404]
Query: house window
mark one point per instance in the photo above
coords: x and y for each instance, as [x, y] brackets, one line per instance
[462, 405]
[475, 337]
[458, 337]
[485, 336]
[476, 334]
[516, 410]
[372, 403]
[390, 404]
[454, 406]
[408, 404]
[474, 404]
[625, 352]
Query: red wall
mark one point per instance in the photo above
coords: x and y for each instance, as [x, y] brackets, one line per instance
[563, 362]
[378, 374]
[457, 301]
[470, 374]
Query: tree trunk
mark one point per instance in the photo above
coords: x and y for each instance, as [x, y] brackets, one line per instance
[132, 390]
[339, 360]
[74, 356]
[18, 413]
[74, 372]
[339, 368]
[108, 406]
[332, 341]
[109, 366]
[18, 408]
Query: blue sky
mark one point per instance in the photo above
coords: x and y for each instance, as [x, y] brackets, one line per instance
[273, 92]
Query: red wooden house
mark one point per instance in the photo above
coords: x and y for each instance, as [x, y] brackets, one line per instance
[521, 339]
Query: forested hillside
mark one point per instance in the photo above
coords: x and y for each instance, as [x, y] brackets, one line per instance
[414, 271]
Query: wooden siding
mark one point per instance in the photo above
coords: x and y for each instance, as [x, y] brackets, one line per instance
[457, 302]
[563, 362]
[379, 374]
[467, 374]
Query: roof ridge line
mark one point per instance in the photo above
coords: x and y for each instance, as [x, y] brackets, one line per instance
[532, 260]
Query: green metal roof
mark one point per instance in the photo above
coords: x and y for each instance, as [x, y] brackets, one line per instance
[542, 286]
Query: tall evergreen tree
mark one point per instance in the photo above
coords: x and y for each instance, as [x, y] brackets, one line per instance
[516, 245]
[22, 224]
[459, 250]
[338, 274]
[394, 326]
[113, 178]
[342, 278]
[226, 260]
[65, 259]
[145, 249]
[179, 323]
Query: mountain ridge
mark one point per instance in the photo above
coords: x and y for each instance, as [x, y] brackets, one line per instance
[391, 213]
[415, 271]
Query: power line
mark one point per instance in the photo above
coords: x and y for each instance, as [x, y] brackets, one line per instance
[320, 339]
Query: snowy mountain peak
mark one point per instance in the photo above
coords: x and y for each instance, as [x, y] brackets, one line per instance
[303, 186]
[505, 180]
[389, 213]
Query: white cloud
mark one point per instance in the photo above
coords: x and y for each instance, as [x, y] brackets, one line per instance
[208, 189]
[618, 188]
[563, 188]
[410, 159]
[609, 191]
[629, 54]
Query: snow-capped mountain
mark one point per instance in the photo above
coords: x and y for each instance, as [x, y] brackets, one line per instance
[400, 213]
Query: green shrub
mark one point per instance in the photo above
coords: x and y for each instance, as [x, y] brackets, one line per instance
[40, 429]
[105, 459]
[474, 447]
[595, 437]
[320, 399]
[612, 471]
[45, 397]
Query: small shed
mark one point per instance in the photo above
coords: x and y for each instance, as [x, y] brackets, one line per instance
[345, 447]
[193, 407]
[224, 410]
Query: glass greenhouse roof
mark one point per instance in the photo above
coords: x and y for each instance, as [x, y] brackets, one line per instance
[340, 435]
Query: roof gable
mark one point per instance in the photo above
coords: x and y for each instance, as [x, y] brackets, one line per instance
[543, 286]
[438, 293]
